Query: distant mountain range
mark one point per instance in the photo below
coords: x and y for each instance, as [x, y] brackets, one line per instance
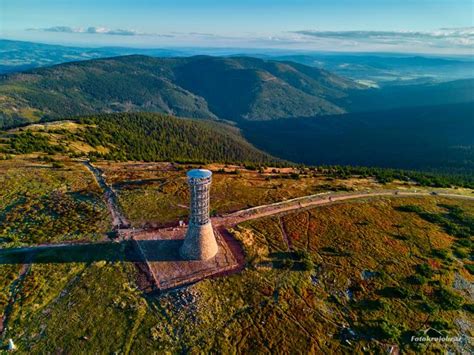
[377, 69]
[388, 69]
[235, 88]
[238, 88]
[293, 111]
[19, 56]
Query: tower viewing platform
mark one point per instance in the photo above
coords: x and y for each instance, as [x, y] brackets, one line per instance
[200, 242]
[175, 257]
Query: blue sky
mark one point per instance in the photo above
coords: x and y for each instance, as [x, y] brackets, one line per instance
[432, 26]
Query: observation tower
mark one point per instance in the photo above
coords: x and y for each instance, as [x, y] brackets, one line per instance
[200, 242]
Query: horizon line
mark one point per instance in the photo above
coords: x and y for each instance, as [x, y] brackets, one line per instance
[236, 48]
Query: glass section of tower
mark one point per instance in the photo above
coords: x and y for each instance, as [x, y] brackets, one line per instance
[200, 188]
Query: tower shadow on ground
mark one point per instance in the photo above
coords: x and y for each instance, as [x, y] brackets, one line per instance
[162, 250]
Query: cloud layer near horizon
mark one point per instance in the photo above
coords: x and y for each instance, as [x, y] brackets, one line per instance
[444, 37]
[89, 30]
[455, 40]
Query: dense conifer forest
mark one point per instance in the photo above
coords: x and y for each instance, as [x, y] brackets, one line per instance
[144, 137]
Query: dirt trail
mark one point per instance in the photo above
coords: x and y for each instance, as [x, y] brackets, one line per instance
[310, 201]
[119, 220]
[15, 290]
[285, 235]
[232, 219]
[223, 223]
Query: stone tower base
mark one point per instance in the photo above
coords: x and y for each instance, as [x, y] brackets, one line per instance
[199, 243]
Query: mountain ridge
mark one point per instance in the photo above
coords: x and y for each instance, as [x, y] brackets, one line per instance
[237, 88]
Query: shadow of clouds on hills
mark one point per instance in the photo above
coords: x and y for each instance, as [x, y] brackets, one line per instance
[156, 250]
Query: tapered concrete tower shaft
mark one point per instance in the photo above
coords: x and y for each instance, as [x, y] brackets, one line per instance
[200, 242]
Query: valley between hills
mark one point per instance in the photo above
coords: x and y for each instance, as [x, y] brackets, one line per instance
[271, 103]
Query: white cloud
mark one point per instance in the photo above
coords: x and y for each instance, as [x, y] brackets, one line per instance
[441, 38]
[442, 41]
[90, 30]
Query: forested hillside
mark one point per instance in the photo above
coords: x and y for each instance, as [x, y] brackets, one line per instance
[204, 87]
[435, 138]
[400, 96]
[292, 111]
[140, 137]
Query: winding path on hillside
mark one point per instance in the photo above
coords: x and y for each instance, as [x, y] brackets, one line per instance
[26, 255]
[119, 220]
[310, 201]
[278, 208]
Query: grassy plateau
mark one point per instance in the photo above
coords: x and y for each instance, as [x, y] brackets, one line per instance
[361, 276]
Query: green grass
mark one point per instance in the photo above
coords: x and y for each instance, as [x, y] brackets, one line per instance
[157, 192]
[42, 203]
[9, 274]
[100, 305]
[368, 272]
